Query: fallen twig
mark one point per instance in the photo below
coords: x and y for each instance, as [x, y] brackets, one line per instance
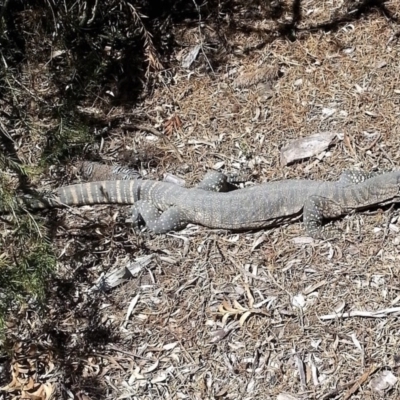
[371, 145]
[353, 385]
[368, 314]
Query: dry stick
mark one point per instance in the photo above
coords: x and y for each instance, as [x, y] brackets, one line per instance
[346, 141]
[368, 314]
[128, 353]
[354, 385]
[371, 145]
[386, 155]
[93, 13]
[359, 382]
[201, 36]
[155, 133]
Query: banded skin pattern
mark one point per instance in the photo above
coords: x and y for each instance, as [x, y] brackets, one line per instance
[167, 207]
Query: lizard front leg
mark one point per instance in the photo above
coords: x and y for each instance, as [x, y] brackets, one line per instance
[171, 219]
[316, 209]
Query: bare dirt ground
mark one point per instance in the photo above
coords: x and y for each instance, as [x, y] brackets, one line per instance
[221, 315]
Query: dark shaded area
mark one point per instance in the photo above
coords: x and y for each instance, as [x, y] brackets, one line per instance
[91, 335]
[71, 348]
[354, 11]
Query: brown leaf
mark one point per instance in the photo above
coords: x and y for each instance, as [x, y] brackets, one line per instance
[225, 317]
[30, 384]
[238, 307]
[37, 393]
[172, 124]
[228, 306]
[12, 386]
[244, 317]
[249, 295]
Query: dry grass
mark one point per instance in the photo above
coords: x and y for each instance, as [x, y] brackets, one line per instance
[165, 334]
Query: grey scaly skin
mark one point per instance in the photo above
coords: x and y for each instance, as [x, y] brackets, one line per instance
[165, 207]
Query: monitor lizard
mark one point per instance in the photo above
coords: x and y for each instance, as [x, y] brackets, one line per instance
[168, 207]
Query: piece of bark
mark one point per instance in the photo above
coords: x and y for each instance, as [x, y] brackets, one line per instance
[306, 147]
[122, 274]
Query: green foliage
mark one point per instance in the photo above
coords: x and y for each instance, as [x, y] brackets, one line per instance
[9, 163]
[7, 199]
[27, 261]
[70, 136]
